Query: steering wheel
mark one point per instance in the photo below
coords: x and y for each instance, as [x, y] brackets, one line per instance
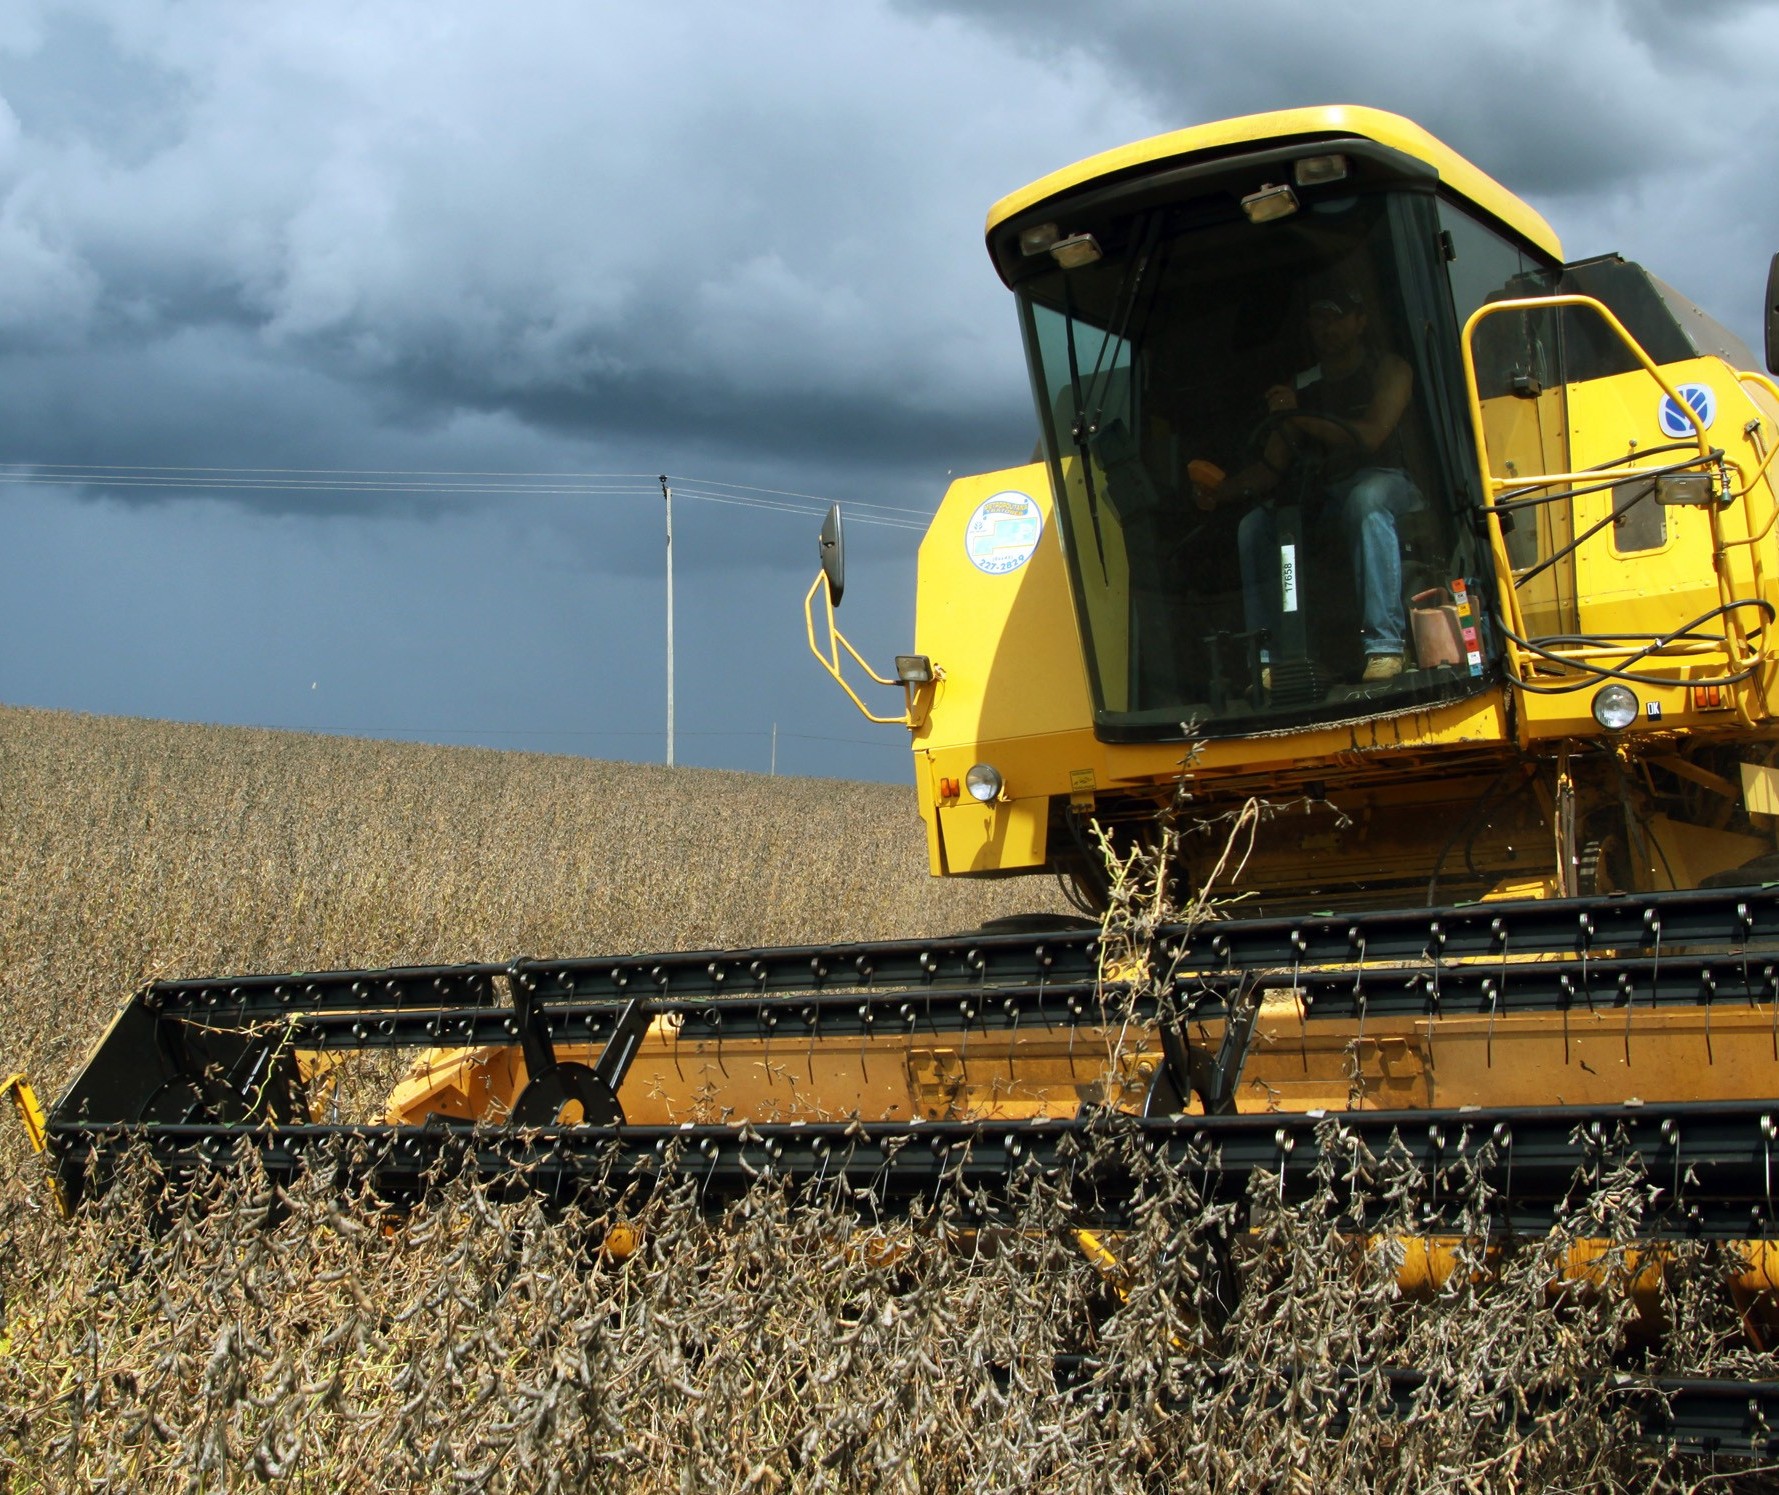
[1307, 457]
[1284, 423]
[1275, 423]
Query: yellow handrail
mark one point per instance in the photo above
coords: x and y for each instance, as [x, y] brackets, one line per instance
[1749, 376]
[1491, 484]
[1746, 491]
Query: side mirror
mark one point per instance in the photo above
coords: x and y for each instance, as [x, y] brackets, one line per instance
[834, 547]
[1772, 318]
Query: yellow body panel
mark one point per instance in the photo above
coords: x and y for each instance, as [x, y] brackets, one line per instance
[1524, 437]
[1024, 676]
[1640, 590]
[1009, 662]
[1287, 124]
[986, 838]
[1677, 564]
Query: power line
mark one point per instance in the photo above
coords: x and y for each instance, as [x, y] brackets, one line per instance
[144, 480]
[391, 482]
[515, 480]
[392, 472]
[761, 503]
[646, 478]
[818, 497]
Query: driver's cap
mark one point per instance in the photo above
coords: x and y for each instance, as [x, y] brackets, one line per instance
[1337, 301]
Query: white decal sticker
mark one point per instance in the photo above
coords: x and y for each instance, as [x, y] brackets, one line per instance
[1673, 419]
[1288, 576]
[1003, 532]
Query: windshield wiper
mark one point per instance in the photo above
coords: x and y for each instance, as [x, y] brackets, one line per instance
[1083, 430]
[1078, 432]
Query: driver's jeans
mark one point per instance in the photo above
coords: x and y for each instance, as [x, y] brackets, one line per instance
[1364, 507]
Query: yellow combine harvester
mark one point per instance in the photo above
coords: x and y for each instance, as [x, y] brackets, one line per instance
[1357, 492]
[1419, 580]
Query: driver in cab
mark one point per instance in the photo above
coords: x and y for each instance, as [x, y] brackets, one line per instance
[1350, 405]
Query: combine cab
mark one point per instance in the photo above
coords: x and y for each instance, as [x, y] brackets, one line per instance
[1391, 605]
[1355, 498]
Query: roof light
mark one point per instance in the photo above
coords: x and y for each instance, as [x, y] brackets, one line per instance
[1038, 238]
[1075, 251]
[914, 669]
[1274, 200]
[984, 783]
[1312, 171]
[1615, 707]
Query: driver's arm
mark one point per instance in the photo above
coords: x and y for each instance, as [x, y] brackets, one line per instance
[1251, 481]
[1388, 404]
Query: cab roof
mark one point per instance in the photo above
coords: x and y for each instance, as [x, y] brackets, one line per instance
[1273, 128]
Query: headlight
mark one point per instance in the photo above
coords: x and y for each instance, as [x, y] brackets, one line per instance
[1615, 707]
[983, 783]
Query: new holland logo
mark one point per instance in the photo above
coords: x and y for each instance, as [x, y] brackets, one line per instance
[1673, 418]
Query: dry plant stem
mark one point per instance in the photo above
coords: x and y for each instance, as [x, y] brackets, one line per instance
[240, 1335]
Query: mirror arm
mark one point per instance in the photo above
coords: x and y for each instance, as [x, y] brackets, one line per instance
[831, 662]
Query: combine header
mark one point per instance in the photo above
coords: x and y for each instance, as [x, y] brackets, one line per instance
[899, 1072]
[1378, 559]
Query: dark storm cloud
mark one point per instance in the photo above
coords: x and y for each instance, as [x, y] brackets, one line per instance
[211, 390]
[688, 233]
[1630, 123]
[747, 236]
[1505, 81]
[126, 108]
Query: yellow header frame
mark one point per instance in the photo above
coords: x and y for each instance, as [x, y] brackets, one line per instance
[1390, 130]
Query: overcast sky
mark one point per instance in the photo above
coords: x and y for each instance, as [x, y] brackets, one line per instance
[740, 245]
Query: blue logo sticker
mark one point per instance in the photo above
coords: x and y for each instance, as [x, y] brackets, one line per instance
[1003, 532]
[1673, 418]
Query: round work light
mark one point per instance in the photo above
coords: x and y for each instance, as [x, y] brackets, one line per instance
[983, 783]
[1615, 707]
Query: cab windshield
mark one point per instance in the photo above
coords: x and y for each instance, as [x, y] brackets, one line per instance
[1262, 478]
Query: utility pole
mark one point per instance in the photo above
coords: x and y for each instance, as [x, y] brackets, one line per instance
[667, 494]
[772, 773]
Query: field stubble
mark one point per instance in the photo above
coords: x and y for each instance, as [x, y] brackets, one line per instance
[135, 850]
